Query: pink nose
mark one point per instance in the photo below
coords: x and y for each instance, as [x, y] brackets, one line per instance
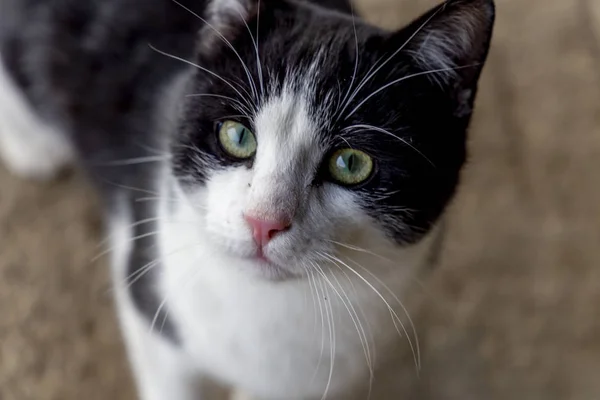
[264, 230]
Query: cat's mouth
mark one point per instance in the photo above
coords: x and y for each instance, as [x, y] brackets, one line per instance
[260, 256]
[271, 266]
[268, 268]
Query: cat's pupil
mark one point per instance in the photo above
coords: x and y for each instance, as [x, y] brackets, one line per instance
[351, 163]
[241, 136]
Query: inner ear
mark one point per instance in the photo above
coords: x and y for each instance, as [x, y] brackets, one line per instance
[451, 40]
[223, 21]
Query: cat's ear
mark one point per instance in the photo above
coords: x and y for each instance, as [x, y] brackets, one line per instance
[451, 41]
[224, 19]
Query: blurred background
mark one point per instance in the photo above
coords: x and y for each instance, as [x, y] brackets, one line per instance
[512, 312]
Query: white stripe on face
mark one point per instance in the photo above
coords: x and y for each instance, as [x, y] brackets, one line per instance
[289, 153]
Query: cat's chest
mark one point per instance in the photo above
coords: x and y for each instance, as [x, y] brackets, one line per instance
[269, 338]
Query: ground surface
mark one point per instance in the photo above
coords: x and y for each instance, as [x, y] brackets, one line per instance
[511, 314]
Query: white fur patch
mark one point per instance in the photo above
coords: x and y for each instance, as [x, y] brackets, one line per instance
[29, 147]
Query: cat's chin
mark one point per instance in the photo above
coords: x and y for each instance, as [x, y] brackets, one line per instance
[264, 268]
[262, 264]
[271, 268]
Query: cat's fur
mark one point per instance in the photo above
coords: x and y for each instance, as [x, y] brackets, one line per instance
[134, 89]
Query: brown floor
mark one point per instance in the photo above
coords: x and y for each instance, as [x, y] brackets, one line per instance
[511, 314]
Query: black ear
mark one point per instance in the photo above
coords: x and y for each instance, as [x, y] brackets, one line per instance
[451, 41]
[223, 20]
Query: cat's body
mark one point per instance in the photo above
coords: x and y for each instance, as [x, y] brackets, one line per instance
[272, 263]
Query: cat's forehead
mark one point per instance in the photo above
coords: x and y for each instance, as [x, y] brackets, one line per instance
[286, 115]
[289, 125]
[292, 96]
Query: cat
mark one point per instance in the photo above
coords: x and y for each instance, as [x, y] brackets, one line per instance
[274, 174]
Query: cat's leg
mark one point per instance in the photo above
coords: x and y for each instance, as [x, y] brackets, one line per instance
[29, 147]
[159, 368]
[237, 395]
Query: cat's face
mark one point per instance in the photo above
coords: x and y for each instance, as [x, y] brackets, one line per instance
[320, 131]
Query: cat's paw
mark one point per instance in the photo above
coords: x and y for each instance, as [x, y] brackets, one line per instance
[29, 146]
[237, 395]
[33, 154]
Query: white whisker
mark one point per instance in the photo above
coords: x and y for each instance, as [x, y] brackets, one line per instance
[183, 60]
[318, 297]
[354, 317]
[133, 239]
[189, 282]
[225, 117]
[310, 287]
[355, 61]
[133, 225]
[160, 308]
[395, 318]
[410, 321]
[150, 149]
[156, 198]
[381, 130]
[179, 291]
[332, 339]
[132, 278]
[255, 43]
[368, 338]
[133, 161]
[416, 74]
[246, 70]
[132, 188]
[218, 96]
[359, 249]
[370, 75]
[260, 75]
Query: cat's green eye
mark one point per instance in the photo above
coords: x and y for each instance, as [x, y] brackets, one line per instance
[237, 140]
[350, 166]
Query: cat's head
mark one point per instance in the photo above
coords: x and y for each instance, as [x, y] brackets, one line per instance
[308, 129]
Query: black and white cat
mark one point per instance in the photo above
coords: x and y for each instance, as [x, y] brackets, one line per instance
[274, 174]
